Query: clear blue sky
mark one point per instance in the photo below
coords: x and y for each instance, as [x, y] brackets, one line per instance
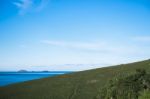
[72, 34]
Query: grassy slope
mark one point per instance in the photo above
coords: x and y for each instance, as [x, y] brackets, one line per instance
[80, 85]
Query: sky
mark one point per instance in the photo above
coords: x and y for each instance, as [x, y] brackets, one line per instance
[72, 34]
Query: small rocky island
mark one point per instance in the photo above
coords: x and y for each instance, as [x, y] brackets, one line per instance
[22, 71]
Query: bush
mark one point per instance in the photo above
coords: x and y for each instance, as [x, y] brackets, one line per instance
[128, 87]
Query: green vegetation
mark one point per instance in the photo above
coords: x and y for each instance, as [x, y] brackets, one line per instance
[90, 84]
[145, 95]
[130, 87]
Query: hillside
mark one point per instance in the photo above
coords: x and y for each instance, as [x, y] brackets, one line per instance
[79, 85]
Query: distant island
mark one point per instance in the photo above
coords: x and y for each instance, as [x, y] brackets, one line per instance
[32, 71]
[22, 71]
[46, 71]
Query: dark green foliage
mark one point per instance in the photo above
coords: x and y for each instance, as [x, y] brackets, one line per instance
[79, 85]
[128, 87]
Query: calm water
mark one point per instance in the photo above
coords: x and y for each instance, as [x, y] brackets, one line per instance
[7, 78]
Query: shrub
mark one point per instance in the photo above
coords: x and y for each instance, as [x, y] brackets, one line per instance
[128, 87]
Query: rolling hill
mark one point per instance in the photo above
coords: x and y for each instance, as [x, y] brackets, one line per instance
[78, 85]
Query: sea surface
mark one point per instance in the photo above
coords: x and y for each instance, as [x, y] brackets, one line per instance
[7, 78]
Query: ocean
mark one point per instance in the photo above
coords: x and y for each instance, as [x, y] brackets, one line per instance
[7, 78]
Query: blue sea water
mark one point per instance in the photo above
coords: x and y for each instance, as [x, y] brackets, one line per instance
[7, 78]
